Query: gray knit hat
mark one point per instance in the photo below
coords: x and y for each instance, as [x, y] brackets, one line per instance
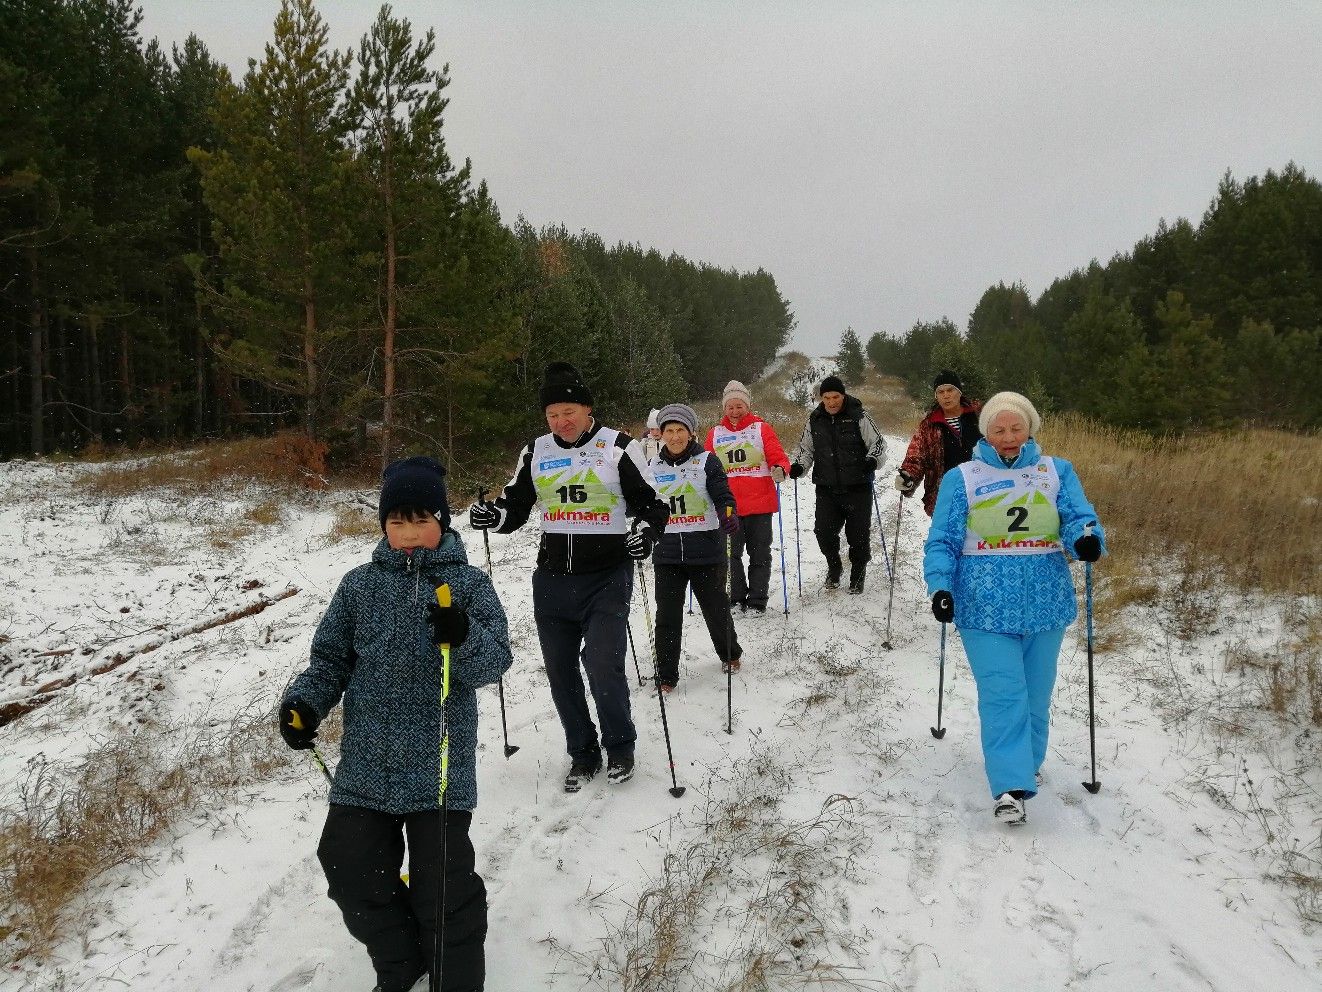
[1013, 403]
[678, 413]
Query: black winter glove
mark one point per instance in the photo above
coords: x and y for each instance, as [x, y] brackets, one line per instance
[449, 624]
[298, 723]
[905, 485]
[484, 515]
[796, 471]
[1088, 548]
[639, 543]
[943, 606]
[871, 463]
[730, 523]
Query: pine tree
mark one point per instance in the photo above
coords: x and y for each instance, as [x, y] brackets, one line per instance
[277, 190]
[849, 358]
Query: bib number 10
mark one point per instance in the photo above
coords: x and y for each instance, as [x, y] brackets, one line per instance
[736, 456]
[572, 494]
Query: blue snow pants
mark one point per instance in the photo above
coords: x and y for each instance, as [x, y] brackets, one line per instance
[1015, 674]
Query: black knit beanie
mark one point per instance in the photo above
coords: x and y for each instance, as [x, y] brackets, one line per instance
[947, 378]
[831, 384]
[417, 481]
[561, 383]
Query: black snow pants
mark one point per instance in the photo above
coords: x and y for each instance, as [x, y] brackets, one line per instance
[362, 851]
[755, 534]
[850, 508]
[672, 581]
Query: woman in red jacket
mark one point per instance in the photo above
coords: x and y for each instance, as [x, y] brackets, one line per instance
[756, 464]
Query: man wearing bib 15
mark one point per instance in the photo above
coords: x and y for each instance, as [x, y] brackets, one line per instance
[693, 546]
[755, 463]
[995, 565]
[585, 480]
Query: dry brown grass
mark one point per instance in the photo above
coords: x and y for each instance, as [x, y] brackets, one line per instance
[73, 822]
[286, 460]
[1245, 507]
[352, 523]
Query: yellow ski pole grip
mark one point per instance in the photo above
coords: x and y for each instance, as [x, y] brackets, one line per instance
[295, 720]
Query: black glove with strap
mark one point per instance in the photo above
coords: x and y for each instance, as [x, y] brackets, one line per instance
[905, 485]
[449, 624]
[484, 515]
[943, 606]
[796, 471]
[298, 723]
[640, 542]
[1088, 548]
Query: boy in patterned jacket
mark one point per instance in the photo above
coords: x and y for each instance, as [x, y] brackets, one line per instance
[377, 648]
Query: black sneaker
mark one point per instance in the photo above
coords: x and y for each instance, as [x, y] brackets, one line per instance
[756, 609]
[619, 770]
[856, 575]
[834, 568]
[582, 770]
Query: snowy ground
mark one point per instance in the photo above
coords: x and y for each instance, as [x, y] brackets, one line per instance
[829, 840]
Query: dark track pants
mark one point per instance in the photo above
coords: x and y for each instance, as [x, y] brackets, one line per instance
[584, 618]
[755, 534]
[361, 852]
[851, 509]
[672, 581]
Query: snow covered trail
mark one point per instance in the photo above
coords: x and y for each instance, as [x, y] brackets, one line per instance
[830, 839]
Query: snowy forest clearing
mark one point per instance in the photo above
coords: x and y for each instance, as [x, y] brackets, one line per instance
[829, 841]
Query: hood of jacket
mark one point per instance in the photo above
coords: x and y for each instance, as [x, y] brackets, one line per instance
[938, 416]
[1028, 456]
[449, 552]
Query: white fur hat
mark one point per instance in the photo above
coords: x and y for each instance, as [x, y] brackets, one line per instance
[652, 425]
[1013, 403]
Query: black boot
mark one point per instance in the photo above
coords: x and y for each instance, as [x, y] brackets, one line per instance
[833, 569]
[857, 571]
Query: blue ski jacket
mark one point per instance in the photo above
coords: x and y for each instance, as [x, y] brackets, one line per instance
[373, 649]
[1009, 594]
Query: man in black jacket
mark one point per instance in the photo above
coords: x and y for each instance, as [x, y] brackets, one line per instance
[844, 449]
[585, 480]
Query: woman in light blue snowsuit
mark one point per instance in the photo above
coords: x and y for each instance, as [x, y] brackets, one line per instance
[995, 564]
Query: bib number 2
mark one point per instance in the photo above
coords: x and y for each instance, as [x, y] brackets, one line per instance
[1017, 515]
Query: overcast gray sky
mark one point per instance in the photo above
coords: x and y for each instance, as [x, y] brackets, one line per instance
[885, 161]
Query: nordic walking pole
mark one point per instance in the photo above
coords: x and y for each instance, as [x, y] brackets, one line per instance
[798, 548]
[877, 506]
[690, 600]
[890, 602]
[729, 662]
[504, 727]
[939, 731]
[1094, 785]
[676, 789]
[442, 600]
[634, 651]
[780, 517]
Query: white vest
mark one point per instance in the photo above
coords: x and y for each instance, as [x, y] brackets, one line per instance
[578, 489]
[1012, 511]
[741, 452]
[684, 487]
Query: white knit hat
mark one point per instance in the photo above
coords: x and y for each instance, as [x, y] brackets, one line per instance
[734, 389]
[1014, 403]
[652, 425]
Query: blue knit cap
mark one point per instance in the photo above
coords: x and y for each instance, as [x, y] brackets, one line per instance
[416, 481]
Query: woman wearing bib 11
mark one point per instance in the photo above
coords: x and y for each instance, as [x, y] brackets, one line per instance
[995, 564]
[756, 464]
[692, 550]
